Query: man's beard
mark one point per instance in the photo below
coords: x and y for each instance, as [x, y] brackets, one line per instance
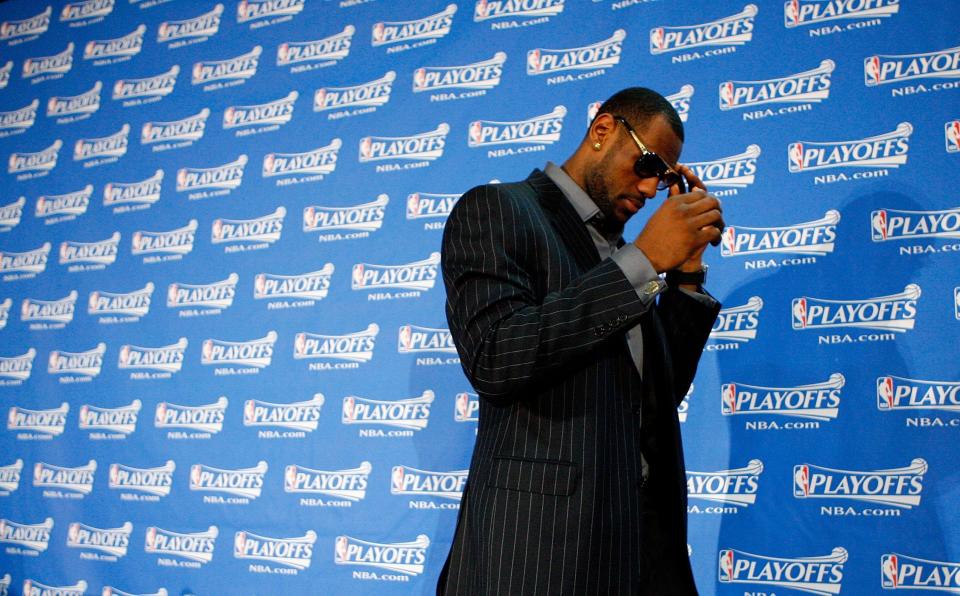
[596, 188]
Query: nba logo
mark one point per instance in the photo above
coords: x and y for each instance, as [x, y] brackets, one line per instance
[878, 227]
[463, 403]
[480, 10]
[397, 478]
[476, 130]
[366, 147]
[341, 549]
[406, 338]
[890, 569]
[728, 399]
[309, 218]
[726, 565]
[800, 313]
[801, 481]
[795, 156]
[952, 136]
[413, 204]
[299, 345]
[290, 478]
[533, 61]
[728, 241]
[871, 71]
[592, 110]
[727, 99]
[885, 399]
[358, 275]
[349, 409]
[239, 542]
[656, 39]
[792, 13]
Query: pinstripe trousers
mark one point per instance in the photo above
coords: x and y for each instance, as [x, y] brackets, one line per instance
[554, 502]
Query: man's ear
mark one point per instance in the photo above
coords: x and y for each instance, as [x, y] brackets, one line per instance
[602, 129]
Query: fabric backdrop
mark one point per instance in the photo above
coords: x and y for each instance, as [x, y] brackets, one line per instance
[224, 363]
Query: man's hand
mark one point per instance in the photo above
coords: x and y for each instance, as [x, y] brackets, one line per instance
[679, 231]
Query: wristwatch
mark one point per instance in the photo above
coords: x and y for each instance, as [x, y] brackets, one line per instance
[675, 277]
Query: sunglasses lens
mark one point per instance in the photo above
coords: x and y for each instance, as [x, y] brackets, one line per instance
[668, 180]
[649, 166]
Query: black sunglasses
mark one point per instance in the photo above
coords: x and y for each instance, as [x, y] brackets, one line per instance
[650, 165]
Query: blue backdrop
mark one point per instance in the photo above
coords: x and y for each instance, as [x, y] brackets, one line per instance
[224, 361]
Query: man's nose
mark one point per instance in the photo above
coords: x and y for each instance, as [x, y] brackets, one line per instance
[647, 187]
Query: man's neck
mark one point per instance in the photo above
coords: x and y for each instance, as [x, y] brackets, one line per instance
[571, 168]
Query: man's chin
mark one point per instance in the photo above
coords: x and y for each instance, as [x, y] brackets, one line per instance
[615, 222]
[628, 208]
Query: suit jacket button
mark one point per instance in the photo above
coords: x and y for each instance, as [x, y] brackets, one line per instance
[637, 410]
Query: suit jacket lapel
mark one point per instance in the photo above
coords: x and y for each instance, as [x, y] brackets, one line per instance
[565, 219]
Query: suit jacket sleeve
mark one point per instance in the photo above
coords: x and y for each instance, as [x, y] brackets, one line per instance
[686, 327]
[506, 335]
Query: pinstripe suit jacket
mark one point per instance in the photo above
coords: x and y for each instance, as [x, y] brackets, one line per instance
[552, 503]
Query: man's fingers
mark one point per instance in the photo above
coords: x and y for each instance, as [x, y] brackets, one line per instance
[673, 191]
[702, 205]
[709, 235]
[690, 197]
[709, 218]
[693, 181]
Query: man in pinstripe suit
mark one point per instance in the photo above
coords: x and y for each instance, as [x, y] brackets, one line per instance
[580, 353]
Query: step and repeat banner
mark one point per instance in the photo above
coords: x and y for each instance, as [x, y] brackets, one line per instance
[224, 362]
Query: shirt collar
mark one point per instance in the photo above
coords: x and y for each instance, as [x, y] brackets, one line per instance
[584, 205]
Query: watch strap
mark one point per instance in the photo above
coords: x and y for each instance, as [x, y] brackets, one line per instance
[675, 277]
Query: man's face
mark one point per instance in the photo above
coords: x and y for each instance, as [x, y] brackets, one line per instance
[611, 181]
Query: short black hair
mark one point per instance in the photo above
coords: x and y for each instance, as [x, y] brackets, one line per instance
[639, 104]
